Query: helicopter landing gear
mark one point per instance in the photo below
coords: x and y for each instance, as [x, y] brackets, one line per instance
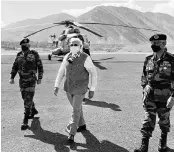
[49, 57]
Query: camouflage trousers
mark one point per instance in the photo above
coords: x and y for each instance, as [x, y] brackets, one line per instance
[27, 91]
[151, 110]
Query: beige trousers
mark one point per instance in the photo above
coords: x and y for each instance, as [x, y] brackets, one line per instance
[77, 118]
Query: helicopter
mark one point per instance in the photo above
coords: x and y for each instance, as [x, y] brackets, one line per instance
[60, 43]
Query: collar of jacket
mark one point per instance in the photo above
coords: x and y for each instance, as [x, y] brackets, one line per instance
[154, 58]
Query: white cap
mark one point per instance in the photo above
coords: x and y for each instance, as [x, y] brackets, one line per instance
[75, 41]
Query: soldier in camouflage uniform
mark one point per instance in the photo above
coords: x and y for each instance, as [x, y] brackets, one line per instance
[158, 92]
[27, 63]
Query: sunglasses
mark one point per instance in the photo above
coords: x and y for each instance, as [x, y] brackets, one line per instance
[74, 45]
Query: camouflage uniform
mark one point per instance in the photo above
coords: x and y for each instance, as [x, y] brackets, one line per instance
[157, 81]
[27, 64]
[158, 74]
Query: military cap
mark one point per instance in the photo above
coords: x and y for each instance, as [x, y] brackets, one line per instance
[24, 41]
[158, 37]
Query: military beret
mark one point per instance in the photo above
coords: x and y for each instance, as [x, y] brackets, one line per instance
[24, 41]
[158, 37]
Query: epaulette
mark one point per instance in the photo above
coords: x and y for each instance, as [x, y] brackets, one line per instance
[20, 52]
[170, 55]
[33, 51]
[149, 56]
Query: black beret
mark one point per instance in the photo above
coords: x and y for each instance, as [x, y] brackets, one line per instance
[158, 37]
[24, 41]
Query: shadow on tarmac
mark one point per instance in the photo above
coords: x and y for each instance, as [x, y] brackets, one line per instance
[103, 59]
[102, 104]
[60, 141]
[94, 145]
[97, 64]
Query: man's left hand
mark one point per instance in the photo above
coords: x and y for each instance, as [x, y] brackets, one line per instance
[39, 81]
[91, 94]
[170, 102]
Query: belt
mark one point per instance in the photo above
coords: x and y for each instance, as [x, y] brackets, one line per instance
[161, 86]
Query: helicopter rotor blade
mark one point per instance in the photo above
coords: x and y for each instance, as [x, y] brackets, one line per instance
[66, 22]
[120, 25]
[81, 26]
[20, 27]
[40, 30]
[91, 31]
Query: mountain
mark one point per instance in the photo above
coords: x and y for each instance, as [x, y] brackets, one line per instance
[126, 16]
[13, 33]
[103, 14]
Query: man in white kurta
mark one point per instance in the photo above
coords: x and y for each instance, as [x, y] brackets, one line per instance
[76, 68]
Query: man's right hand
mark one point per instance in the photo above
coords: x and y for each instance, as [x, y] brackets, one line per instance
[147, 89]
[56, 89]
[91, 94]
[11, 81]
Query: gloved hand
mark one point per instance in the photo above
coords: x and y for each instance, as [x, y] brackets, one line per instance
[39, 81]
[147, 89]
[11, 81]
[146, 92]
[91, 94]
[170, 102]
[56, 89]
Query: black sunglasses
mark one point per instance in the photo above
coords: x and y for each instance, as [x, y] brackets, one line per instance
[74, 45]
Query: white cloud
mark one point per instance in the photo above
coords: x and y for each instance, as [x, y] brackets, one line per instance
[3, 24]
[167, 8]
[78, 12]
[130, 4]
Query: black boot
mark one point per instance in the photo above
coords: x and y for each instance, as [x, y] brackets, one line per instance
[32, 113]
[163, 143]
[24, 125]
[144, 145]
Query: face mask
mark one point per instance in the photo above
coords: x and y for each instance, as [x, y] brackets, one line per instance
[74, 49]
[155, 48]
[24, 48]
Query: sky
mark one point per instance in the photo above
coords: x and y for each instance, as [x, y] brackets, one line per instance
[13, 11]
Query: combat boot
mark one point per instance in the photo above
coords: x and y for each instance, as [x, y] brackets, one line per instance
[144, 145]
[32, 113]
[24, 125]
[163, 143]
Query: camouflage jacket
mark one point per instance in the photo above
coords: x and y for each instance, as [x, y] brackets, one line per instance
[158, 73]
[27, 64]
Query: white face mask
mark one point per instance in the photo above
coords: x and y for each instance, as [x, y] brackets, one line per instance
[74, 49]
